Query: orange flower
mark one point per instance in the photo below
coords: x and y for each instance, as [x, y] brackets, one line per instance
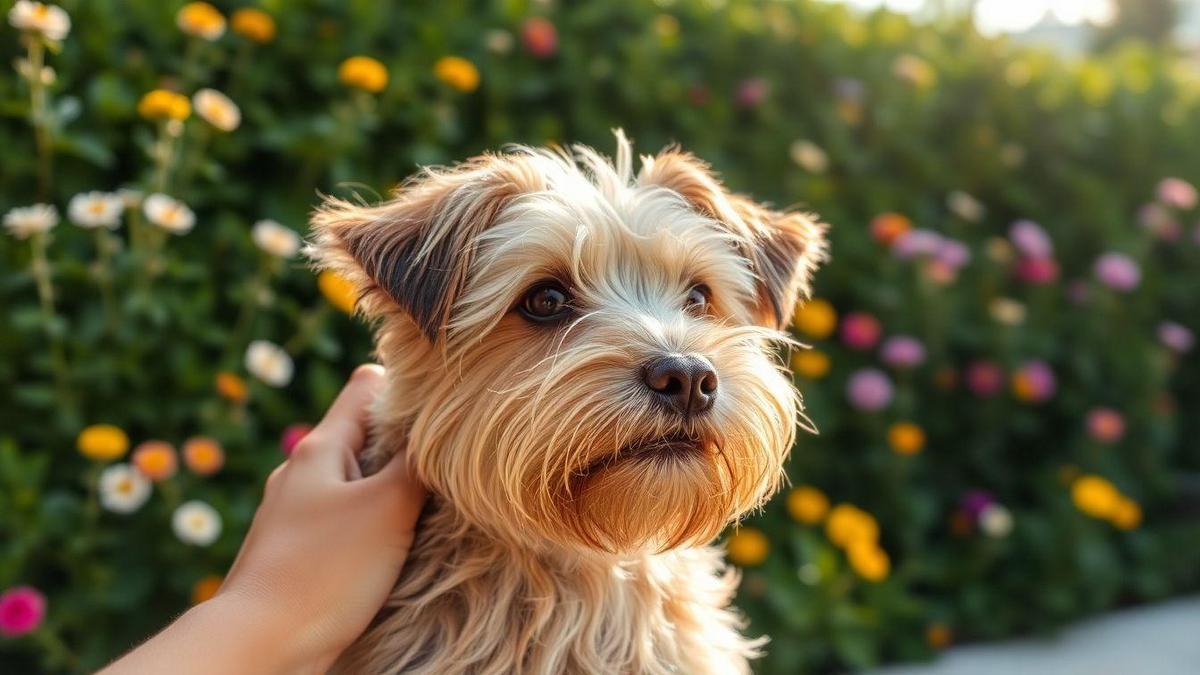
[206, 588]
[1126, 514]
[231, 387]
[807, 504]
[747, 547]
[155, 459]
[363, 72]
[162, 104]
[810, 364]
[868, 560]
[938, 635]
[102, 442]
[886, 228]
[253, 24]
[906, 438]
[337, 290]
[457, 72]
[1095, 496]
[815, 318]
[203, 455]
[847, 525]
[202, 20]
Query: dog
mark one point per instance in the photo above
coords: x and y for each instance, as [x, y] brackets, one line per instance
[583, 367]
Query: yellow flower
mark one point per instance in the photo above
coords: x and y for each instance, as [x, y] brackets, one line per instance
[253, 24]
[1095, 496]
[102, 442]
[231, 387]
[206, 588]
[807, 504]
[868, 560]
[155, 459]
[337, 290]
[1126, 514]
[457, 72]
[161, 104]
[906, 438]
[363, 72]
[217, 109]
[202, 20]
[810, 364]
[816, 318]
[848, 525]
[747, 547]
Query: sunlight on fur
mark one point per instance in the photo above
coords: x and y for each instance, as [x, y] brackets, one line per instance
[574, 496]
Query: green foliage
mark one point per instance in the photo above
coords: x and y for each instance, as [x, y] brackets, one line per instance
[901, 117]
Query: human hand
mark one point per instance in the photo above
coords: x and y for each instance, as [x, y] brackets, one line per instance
[325, 548]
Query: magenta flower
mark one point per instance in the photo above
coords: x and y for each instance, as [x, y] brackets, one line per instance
[1177, 193]
[1030, 240]
[860, 331]
[1118, 271]
[974, 502]
[752, 92]
[1034, 382]
[1105, 425]
[984, 378]
[21, 610]
[869, 389]
[902, 351]
[292, 435]
[1176, 337]
[1037, 271]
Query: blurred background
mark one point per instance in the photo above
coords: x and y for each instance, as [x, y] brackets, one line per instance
[1002, 372]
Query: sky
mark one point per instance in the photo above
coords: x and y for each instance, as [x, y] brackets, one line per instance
[1010, 16]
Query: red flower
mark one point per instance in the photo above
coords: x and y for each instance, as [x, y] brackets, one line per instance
[540, 37]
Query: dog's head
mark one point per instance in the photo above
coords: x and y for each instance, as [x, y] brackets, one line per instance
[588, 351]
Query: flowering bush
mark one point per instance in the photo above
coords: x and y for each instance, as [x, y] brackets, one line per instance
[1002, 347]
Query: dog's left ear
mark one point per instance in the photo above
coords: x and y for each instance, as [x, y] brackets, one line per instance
[783, 247]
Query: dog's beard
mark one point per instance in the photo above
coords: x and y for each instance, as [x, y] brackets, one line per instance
[568, 447]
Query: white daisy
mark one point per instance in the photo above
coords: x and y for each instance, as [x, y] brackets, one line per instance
[995, 521]
[279, 241]
[96, 209]
[169, 213]
[965, 206]
[37, 17]
[809, 156]
[29, 220]
[123, 489]
[217, 109]
[196, 523]
[269, 362]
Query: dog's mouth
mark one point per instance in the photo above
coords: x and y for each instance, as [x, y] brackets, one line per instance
[676, 446]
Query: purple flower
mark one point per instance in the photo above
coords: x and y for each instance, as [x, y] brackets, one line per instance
[1118, 271]
[869, 389]
[1030, 239]
[1176, 337]
[918, 242]
[953, 253]
[1176, 192]
[902, 351]
[975, 501]
[751, 92]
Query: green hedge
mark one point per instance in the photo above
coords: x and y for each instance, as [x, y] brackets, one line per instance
[1003, 502]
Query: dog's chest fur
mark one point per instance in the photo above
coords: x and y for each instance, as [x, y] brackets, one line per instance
[468, 604]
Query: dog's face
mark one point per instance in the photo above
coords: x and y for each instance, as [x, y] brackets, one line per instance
[596, 348]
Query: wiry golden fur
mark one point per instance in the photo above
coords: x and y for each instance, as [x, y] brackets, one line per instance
[550, 545]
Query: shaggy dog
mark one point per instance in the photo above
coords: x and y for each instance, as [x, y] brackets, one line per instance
[581, 367]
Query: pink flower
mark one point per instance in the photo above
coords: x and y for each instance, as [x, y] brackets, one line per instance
[902, 351]
[1030, 239]
[292, 435]
[1037, 271]
[860, 330]
[1105, 425]
[21, 610]
[915, 243]
[984, 378]
[1176, 192]
[1159, 221]
[751, 92]
[1034, 382]
[1118, 271]
[869, 389]
[952, 253]
[539, 37]
[1177, 337]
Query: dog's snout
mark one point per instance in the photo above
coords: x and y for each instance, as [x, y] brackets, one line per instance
[688, 382]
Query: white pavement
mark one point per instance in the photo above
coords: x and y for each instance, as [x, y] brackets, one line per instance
[1161, 639]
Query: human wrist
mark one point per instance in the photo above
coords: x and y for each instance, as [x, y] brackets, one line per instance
[257, 637]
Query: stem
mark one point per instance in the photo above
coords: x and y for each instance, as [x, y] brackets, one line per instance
[45, 289]
[245, 320]
[39, 116]
[309, 323]
[104, 276]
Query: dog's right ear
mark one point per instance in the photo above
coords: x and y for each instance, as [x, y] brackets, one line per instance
[412, 252]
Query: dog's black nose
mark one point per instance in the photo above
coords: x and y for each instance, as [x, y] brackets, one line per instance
[687, 381]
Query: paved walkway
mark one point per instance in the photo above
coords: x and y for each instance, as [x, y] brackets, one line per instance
[1162, 639]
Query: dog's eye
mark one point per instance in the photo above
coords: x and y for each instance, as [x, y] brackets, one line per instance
[698, 298]
[546, 302]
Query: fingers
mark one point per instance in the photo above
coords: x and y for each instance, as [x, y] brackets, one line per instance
[397, 480]
[343, 430]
